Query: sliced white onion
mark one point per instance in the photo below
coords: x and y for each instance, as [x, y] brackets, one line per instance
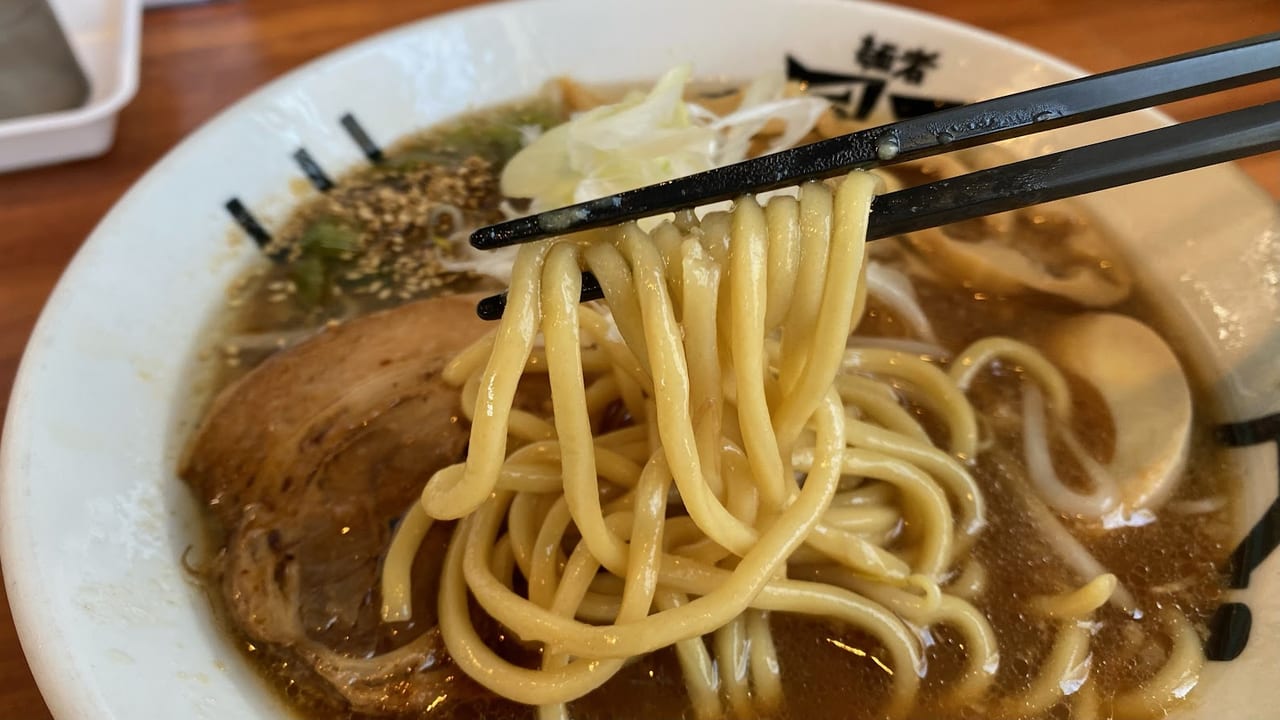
[651, 137]
[496, 263]
[1040, 470]
[893, 288]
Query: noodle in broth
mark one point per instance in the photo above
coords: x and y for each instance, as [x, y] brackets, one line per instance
[735, 557]
[763, 438]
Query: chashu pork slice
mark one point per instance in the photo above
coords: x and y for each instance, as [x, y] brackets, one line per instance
[306, 464]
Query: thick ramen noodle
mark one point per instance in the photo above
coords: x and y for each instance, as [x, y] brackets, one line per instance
[775, 473]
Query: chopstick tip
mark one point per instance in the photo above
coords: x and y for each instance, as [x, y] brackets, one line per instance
[492, 307]
[482, 238]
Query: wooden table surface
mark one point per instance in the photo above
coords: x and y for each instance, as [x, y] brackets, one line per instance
[196, 60]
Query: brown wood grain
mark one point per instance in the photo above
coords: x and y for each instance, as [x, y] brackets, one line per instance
[198, 60]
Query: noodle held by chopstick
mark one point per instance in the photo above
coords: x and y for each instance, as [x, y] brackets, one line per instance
[762, 466]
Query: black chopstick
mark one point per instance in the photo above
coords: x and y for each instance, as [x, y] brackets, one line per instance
[1125, 160]
[492, 307]
[1196, 73]
[1134, 158]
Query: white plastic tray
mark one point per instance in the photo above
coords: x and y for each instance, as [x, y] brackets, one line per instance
[104, 35]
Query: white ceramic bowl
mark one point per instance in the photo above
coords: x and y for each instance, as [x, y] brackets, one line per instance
[92, 517]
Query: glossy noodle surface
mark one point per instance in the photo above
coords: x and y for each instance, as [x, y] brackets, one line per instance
[777, 473]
